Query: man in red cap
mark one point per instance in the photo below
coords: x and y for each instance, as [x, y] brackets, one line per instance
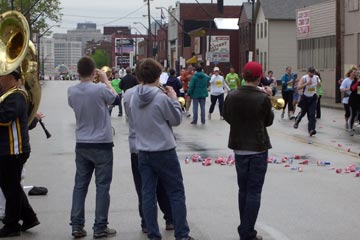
[248, 110]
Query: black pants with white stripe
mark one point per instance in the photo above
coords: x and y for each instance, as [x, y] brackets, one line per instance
[17, 205]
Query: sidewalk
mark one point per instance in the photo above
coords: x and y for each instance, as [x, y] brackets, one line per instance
[330, 103]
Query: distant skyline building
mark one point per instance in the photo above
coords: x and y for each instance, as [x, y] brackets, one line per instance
[67, 53]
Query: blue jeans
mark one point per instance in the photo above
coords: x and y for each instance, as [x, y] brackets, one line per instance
[196, 102]
[162, 197]
[251, 170]
[87, 161]
[163, 165]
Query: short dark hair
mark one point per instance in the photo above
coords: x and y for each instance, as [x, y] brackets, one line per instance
[172, 72]
[148, 70]
[85, 67]
[128, 70]
[311, 70]
[199, 68]
[270, 72]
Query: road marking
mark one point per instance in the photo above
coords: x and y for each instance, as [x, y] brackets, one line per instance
[275, 234]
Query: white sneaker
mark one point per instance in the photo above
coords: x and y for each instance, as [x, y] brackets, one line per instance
[221, 118]
[188, 114]
[209, 116]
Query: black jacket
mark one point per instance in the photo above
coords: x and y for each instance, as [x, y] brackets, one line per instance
[354, 98]
[175, 83]
[14, 135]
[127, 82]
[248, 110]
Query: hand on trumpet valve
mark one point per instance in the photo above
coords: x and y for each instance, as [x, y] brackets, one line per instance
[170, 92]
[267, 90]
[101, 75]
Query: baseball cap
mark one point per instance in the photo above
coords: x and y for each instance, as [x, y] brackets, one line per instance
[216, 69]
[253, 69]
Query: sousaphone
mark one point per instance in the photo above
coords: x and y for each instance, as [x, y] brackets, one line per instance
[16, 50]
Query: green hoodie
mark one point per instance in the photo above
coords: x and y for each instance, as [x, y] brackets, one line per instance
[198, 87]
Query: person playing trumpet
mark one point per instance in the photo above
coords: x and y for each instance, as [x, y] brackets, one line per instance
[94, 147]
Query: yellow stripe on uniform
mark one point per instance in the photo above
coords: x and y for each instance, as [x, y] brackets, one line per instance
[15, 138]
[19, 135]
[11, 141]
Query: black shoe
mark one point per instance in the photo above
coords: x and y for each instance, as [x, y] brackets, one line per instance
[186, 238]
[27, 225]
[296, 125]
[79, 233]
[144, 230]
[9, 232]
[120, 115]
[108, 232]
[312, 132]
[258, 237]
[193, 122]
[169, 227]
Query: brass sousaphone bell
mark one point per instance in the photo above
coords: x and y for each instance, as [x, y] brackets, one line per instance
[16, 50]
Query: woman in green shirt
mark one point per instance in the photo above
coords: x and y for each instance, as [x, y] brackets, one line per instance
[116, 83]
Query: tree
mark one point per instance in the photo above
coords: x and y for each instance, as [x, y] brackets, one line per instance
[38, 12]
[101, 58]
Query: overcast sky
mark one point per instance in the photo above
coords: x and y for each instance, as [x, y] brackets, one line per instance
[116, 12]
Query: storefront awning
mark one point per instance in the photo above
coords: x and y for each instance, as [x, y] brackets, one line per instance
[192, 60]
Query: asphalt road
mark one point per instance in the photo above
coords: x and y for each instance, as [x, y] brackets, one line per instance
[314, 204]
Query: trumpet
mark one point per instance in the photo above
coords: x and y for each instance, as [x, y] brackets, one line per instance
[180, 99]
[277, 103]
[106, 70]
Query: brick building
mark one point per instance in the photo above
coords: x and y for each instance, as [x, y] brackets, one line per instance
[187, 17]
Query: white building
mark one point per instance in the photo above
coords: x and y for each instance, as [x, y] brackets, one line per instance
[47, 57]
[275, 39]
[83, 33]
[67, 53]
[316, 37]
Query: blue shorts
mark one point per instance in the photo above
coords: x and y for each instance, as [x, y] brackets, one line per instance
[296, 97]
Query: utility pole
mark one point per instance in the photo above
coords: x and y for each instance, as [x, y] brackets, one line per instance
[149, 43]
[339, 23]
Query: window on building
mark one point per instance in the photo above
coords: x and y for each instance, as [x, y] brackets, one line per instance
[265, 62]
[352, 5]
[318, 52]
[246, 34]
[257, 55]
[265, 30]
[241, 35]
[261, 58]
[261, 30]
[257, 31]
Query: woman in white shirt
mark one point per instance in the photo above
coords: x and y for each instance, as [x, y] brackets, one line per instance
[345, 88]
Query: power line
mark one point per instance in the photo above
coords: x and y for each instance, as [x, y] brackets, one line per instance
[82, 16]
[124, 16]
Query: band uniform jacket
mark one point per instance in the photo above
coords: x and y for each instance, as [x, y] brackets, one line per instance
[14, 135]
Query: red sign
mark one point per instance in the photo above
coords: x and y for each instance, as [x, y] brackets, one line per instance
[303, 22]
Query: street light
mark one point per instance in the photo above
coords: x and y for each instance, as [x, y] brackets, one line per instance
[141, 25]
[178, 22]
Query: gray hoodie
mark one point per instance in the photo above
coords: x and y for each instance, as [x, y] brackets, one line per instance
[153, 115]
